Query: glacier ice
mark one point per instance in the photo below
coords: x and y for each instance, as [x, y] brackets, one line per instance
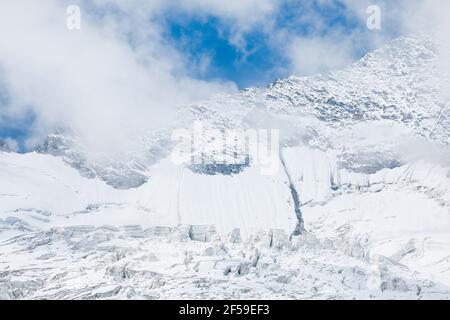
[354, 211]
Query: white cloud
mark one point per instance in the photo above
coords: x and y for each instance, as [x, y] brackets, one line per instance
[9, 145]
[310, 56]
[116, 74]
[238, 17]
[90, 80]
[247, 13]
[119, 74]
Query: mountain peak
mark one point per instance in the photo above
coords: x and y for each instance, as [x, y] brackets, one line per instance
[396, 85]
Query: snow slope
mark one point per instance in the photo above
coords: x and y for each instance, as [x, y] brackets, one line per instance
[41, 185]
[365, 179]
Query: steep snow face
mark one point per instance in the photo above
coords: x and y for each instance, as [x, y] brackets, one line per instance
[43, 188]
[248, 201]
[363, 191]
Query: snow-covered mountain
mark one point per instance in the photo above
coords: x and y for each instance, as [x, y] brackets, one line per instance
[360, 206]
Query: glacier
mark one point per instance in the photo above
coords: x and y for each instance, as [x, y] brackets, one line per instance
[360, 207]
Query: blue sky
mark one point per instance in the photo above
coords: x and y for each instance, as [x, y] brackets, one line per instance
[203, 37]
[198, 47]
[262, 62]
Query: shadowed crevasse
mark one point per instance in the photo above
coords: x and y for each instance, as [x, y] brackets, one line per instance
[296, 199]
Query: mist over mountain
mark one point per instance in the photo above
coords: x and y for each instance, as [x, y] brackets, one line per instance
[359, 207]
[393, 95]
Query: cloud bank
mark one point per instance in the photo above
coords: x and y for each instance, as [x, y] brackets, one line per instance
[120, 74]
[91, 81]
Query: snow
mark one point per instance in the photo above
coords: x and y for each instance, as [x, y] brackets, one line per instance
[174, 196]
[376, 211]
[357, 235]
[248, 201]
